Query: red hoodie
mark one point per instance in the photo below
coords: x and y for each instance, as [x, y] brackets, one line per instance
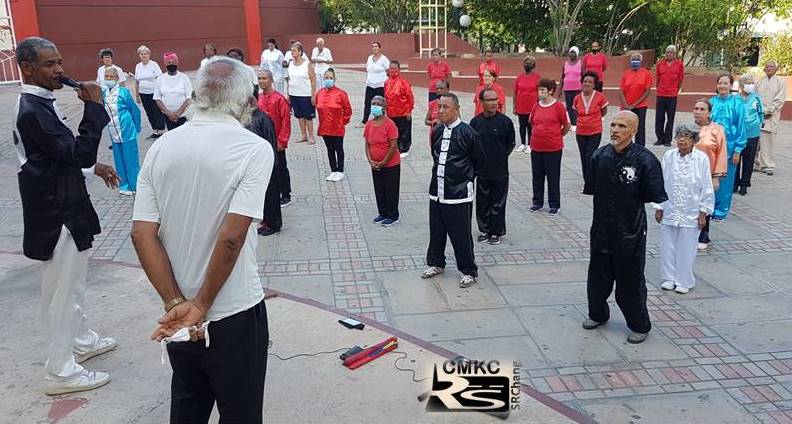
[334, 110]
[398, 96]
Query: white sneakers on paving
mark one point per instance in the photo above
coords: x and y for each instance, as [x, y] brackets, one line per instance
[335, 177]
[520, 148]
[432, 271]
[466, 281]
[670, 285]
[105, 344]
[87, 380]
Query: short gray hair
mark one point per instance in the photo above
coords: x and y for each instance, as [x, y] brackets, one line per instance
[671, 48]
[223, 85]
[636, 54]
[689, 130]
[266, 72]
[112, 70]
[27, 49]
[378, 97]
[143, 48]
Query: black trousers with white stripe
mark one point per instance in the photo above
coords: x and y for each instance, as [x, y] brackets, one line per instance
[452, 221]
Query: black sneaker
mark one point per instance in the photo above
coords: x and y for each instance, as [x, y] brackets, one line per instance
[493, 240]
[482, 237]
[667, 144]
[534, 208]
[285, 201]
[554, 212]
[743, 191]
[658, 143]
[267, 231]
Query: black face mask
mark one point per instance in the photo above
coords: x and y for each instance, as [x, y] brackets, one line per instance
[595, 50]
[171, 68]
[528, 68]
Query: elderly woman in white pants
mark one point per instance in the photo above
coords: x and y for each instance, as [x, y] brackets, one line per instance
[688, 182]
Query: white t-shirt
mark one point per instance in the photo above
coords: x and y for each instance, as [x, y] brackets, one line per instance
[272, 60]
[377, 72]
[173, 90]
[321, 68]
[299, 80]
[146, 76]
[100, 73]
[190, 180]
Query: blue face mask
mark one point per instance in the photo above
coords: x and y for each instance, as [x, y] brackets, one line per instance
[110, 84]
[328, 83]
[377, 110]
[635, 64]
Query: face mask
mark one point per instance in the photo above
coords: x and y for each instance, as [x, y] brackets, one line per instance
[750, 88]
[328, 83]
[595, 50]
[377, 110]
[635, 64]
[172, 68]
[528, 68]
[110, 84]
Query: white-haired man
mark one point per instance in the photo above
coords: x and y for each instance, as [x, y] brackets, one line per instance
[322, 58]
[670, 74]
[200, 194]
[772, 89]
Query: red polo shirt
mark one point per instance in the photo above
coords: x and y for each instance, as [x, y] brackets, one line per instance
[525, 92]
[399, 97]
[546, 123]
[335, 112]
[634, 83]
[669, 77]
[439, 71]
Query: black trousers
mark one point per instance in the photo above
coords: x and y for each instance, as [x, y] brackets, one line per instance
[491, 205]
[640, 136]
[370, 93]
[569, 97]
[231, 371]
[628, 273]
[747, 158]
[587, 144]
[386, 190]
[284, 179]
[664, 119]
[704, 233]
[546, 165]
[272, 210]
[335, 152]
[598, 86]
[405, 133]
[452, 221]
[173, 125]
[525, 128]
[153, 113]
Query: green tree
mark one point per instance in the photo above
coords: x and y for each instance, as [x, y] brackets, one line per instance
[376, 15]
[778, 48]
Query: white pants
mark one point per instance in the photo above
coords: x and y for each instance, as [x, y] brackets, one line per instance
[319, 81]
[678, 254]
[280, 87]
[62, 299]
[765, 158]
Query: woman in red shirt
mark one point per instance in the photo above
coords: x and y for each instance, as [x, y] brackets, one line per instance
[433, 111]
[635, 85]
[334, 109]
[549, 124]
[488, 63]
[591, 106]
[489, 82]
[381, 135]
[437, 70]
[525, 98]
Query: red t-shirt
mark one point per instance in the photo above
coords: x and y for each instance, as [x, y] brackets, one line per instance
[634, 84]
[589, 117]
[669, 77]
[378, 139]
[501, 98]
[491, 65]
[439, 71]
[597, 63]
[546, 124]
[334, 110]
[525, 92]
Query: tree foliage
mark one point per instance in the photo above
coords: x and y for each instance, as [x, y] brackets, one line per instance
[778, 48]
[370, 15]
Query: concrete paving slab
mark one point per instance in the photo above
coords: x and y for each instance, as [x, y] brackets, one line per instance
[739, 309]
[544, 294]
[538, 273]
[757, 337]
[461, 325]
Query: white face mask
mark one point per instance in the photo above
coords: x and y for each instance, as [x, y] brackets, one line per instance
[750, 88]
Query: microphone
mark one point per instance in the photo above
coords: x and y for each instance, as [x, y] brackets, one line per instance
[70, 82]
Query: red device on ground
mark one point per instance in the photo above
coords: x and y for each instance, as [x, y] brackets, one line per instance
[371, 353]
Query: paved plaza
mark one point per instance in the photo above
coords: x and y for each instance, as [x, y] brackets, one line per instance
[721, 354]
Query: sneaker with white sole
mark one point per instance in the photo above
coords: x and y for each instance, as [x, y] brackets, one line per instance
[573, 128]
[387, 222]
[87, 380]
[702, 246]
[466, 281]
[432, 271]
[104, 345]
[404, 155]
[682, 290]
[330, 177]
[668, 285]
[527, 150]
[339, 176]
[521, 148]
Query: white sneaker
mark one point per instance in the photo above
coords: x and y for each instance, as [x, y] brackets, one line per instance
[521, 148]
[404, 155]
[330, 177]
[339, 176]
[87, 380]
[126, 192]
[573, 128]
[105, 344]
[682, 290]
[668, 285]
[702, 246]
[527, 150]
[432, 271]
[466, 281]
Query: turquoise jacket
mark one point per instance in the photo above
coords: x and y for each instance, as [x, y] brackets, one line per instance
[124, 114]
[754, 115]
[729, 112]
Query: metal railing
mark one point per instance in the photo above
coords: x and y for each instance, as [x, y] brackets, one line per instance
[9, 71]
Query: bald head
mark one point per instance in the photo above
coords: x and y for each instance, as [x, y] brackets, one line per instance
[622, 129]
